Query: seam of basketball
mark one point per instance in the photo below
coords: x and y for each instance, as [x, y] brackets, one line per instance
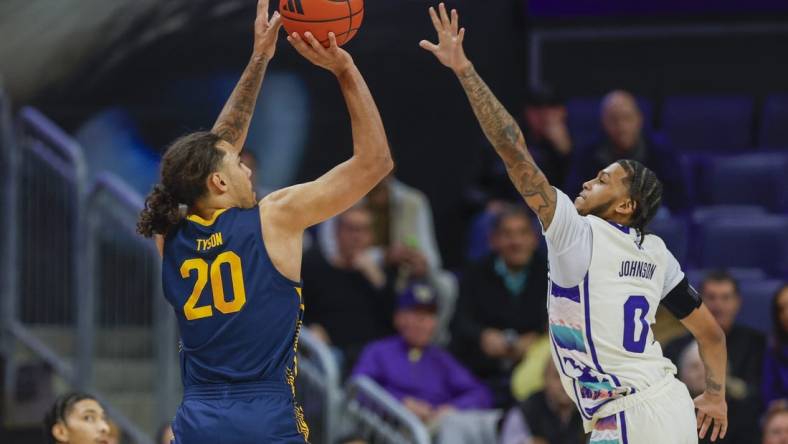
[293, 19]
[340, 34]
[350, 19]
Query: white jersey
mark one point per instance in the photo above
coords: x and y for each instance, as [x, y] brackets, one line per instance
[604, 292]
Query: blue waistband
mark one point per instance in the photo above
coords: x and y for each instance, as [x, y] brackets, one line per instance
[236, 390]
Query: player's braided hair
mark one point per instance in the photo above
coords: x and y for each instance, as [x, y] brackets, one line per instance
[645, 190]
[184, 170]
[59, 410]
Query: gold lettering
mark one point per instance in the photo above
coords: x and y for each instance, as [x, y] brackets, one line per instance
[214, 241]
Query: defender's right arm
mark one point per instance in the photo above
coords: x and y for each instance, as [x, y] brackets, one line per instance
[499, 126]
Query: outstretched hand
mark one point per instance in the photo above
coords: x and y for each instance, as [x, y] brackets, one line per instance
[333, 58]
[712, 415]
[449, 49]
[266, 32]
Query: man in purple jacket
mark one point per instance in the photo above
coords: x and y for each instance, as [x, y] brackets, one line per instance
[425, 378]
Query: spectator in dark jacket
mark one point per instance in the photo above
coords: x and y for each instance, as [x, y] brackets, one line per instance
[501, 308]
[623, 138]
[348, 296]
[775, 364]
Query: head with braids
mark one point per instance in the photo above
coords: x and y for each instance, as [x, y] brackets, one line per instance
[626, 192]
[202, 172]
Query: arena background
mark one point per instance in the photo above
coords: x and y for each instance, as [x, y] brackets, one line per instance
[123, 78]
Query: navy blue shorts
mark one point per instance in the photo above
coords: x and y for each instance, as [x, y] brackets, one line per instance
[247, 413]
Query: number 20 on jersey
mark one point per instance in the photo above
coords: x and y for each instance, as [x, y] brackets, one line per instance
[213, 272]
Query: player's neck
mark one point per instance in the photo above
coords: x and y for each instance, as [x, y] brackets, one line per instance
[206, 209]
[617, 219]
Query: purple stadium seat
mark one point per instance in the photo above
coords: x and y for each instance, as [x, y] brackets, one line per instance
[756, 303]
[752, 179]
[708, 123]
[773, 130]
[583, 118]
[673, 231]
[744, 241]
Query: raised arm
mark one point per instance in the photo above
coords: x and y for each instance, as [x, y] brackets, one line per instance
[307, 204]
[711, 405]
[498, 125]
[233, 122]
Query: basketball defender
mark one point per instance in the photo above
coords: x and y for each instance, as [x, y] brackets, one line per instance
[231, 265]
[607, 278]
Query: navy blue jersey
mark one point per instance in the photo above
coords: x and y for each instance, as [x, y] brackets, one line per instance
[239, 318]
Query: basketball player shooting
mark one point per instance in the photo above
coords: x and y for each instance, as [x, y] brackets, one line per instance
[231, 266]
[607, 278]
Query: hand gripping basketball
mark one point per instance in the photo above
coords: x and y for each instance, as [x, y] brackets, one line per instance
[333, 58]
[266, 32]
[319, 17]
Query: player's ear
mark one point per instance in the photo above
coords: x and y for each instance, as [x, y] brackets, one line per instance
[217, 182]
[626, 207]
[60, 432]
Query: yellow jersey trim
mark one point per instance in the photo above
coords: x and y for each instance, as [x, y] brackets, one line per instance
[206, 223]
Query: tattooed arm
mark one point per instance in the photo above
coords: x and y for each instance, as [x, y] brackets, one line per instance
[498, 125]
[711, 405]
[504, 134]
[233, 122]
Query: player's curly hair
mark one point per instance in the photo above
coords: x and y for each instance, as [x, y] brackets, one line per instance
[645, 190]
[184, 170]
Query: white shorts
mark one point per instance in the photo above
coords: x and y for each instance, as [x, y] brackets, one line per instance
[664, 416]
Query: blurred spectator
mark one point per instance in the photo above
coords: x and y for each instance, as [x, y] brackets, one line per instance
[720, 293]
[546, 417]
[547, 134]
[76, 418]
[402, 227]
[501, 309]
[775, 364]
[623, 138]
[775, 423]
[348, 295]
[165, 435]
[549, 142]
[403, 240]
[742, 418]
[426, 379]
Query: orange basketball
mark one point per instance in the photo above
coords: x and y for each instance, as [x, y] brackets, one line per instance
[342, 17]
